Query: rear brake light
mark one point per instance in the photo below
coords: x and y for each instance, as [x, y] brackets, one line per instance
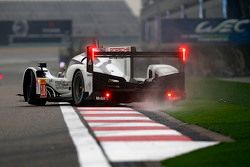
[173, 95]
[183, 53]
[169, 94]
[107, 95]
[91, 52]
[1, 76]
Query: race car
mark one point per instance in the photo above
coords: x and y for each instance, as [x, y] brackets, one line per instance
[107, 74]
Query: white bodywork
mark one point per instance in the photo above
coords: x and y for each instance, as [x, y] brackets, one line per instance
[62, 85]
[158, 70]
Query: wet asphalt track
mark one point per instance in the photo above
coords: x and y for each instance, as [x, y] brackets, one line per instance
[30, 135]
[38, 136]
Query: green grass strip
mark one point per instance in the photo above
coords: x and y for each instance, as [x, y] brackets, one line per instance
[220, 106]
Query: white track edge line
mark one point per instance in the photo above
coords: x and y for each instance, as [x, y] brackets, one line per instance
[136, 133]
[88, 151]
[109, 112]
[115, 118]
[104, 108]
[124, 124]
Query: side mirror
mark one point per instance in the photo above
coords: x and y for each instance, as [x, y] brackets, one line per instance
[42, 65]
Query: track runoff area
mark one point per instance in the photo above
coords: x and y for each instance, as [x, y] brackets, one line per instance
[121, 134]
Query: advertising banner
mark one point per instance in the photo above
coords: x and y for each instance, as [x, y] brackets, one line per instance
[5, 30]
[34, 31]
[49, 27]
[205, 30]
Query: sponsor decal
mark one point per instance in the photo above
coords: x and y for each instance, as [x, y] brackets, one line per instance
[119, 49]
[100, 98]
[62, 85]
[43, 90]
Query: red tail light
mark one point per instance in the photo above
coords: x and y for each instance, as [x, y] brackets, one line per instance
[1, 76]
[91, 52]
[169, 94]
[183, 53]
[172, 95]
[107, 95]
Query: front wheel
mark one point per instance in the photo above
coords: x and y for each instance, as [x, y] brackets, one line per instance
[78, 89]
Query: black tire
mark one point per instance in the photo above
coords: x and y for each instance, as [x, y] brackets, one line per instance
[78, 89]
[31, 91]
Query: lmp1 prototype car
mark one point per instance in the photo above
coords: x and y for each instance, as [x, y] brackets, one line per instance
[107, 74]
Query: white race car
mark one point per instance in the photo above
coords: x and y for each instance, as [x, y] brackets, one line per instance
[107, 74]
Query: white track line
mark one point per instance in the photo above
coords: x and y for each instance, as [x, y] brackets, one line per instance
[149, 151]
[109, 112]
[116, 118]
[88, 151]
[104, 108]
[136, 133]
[124, 124]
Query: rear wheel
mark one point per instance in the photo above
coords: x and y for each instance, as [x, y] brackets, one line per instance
[78, 89]
[31, 91]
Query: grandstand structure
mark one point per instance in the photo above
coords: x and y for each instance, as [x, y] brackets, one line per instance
[167, 24]
[109, 21]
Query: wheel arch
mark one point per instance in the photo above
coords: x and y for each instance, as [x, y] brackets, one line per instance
[83, 72]
[76, 70]
[85, 94]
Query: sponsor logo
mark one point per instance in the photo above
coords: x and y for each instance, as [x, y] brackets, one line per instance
[227, 26]
[62, 85]
[100, 98]
[119, 49]
[43, 90]
[20, 27]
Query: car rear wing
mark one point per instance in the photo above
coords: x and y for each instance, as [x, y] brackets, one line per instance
[130, 52]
